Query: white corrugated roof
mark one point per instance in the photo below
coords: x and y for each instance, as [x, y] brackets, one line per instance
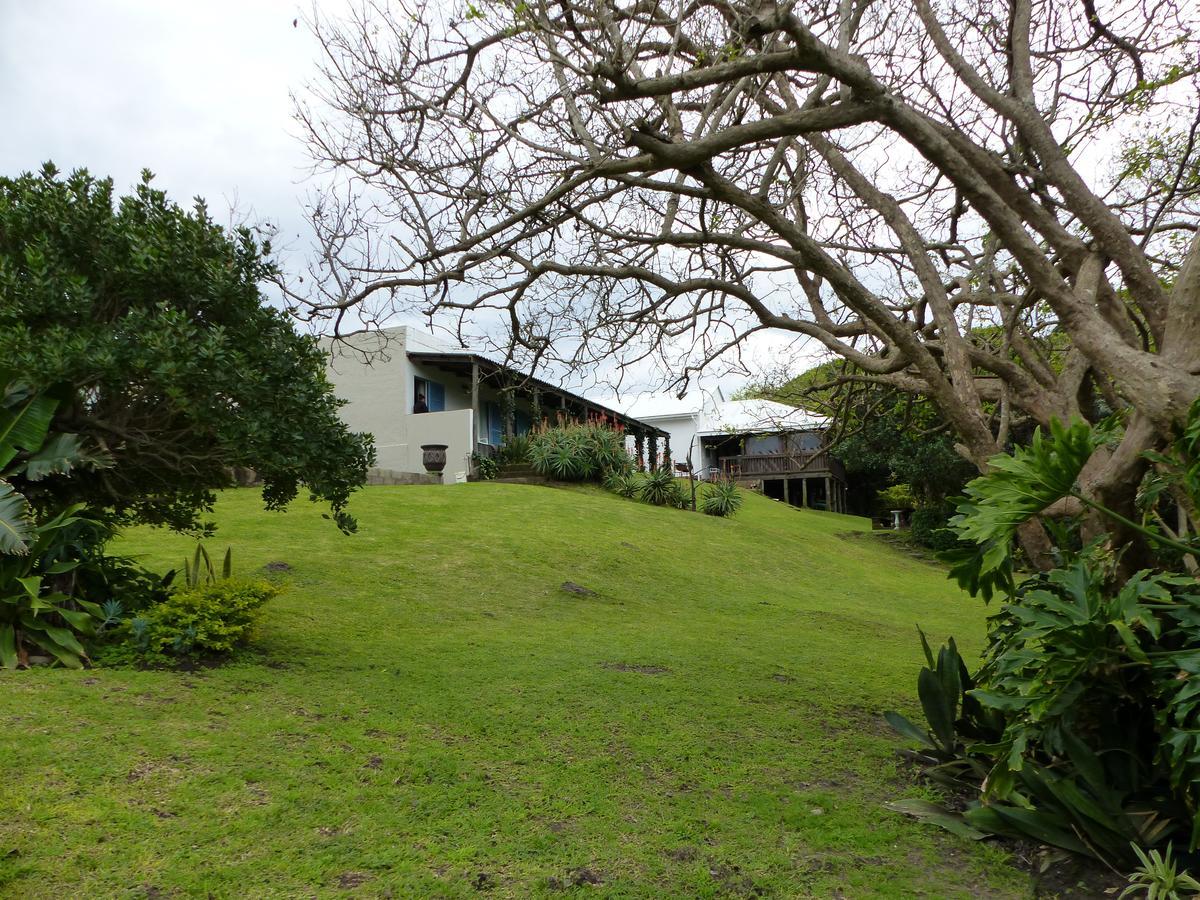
[759, 415]
[723, 416]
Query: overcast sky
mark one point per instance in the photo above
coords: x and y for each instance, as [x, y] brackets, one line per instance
[198, 92]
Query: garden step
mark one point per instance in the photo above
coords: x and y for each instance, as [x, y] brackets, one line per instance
[516, 469]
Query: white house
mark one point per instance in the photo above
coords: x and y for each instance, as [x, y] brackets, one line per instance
[778, 448]
[407, 389]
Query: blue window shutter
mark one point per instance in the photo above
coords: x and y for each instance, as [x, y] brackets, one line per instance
[437, 397]
[495, 429]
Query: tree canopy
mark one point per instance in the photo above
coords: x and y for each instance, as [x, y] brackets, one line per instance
[176, 368]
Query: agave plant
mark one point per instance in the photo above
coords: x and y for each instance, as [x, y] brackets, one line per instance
[660, 488]
[721, 498]
[624, 484]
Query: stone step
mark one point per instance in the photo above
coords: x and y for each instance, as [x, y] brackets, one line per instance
[516, 469]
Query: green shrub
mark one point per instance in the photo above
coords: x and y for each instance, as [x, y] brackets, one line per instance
[721, 498]
[898, 496]
[661, 488]
[578, 452]
[930, 527]
[485, 466]
[624, 484]
[1082, 727]
[514, 449]
[210, 619]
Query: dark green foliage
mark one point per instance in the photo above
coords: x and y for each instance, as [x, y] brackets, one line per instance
[1083, 729]
[485, 466]
[514, 449]
[38, 606]
[721, 498]
[1017, 488]
[30, 454]
[154, 319]
[578, 452]
[624, 484]
[661, 488]
[212, 619]
[42, 550]
[930, 526]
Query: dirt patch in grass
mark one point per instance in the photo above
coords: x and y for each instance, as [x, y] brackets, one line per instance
[577, 589]
[641, 670]
[349, 880]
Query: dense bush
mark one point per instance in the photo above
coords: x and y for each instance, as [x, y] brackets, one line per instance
[210, 619]
[930, 526]
[1082, 727]
[624, 484]
[152, 319]
[660, 487]
[578, 452]
[514, 449]
[485, 466]
[721, 498]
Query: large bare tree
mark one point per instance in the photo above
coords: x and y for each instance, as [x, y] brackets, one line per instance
[986, 203]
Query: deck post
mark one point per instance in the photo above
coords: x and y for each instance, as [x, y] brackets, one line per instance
[474, 405]
[828, 495]
[804, 492]
[787, 491]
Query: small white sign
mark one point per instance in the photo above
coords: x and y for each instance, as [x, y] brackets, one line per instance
[460, 477]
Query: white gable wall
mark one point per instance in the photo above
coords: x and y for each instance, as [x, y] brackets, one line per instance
[376, 392]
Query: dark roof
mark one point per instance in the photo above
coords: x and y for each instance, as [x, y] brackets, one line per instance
[467, 358]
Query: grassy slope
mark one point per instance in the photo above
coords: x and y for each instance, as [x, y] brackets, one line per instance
[426, 712]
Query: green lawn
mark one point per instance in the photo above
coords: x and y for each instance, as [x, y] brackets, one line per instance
[426, 712]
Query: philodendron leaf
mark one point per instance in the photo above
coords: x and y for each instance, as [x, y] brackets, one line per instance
[936, 815]
[16, 524]
[939, 709]
[8, 647]
[906, 728]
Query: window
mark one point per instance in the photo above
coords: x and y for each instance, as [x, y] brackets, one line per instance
[433, 392]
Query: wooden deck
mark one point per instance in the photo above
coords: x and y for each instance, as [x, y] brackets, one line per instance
[783, 465]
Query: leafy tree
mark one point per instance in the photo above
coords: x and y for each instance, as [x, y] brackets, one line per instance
[176, 368]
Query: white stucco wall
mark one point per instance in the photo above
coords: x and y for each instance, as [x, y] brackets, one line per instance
[452, 427]
[379, 390]
[375, 391]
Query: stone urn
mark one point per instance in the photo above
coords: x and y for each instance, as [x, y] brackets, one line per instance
[434, 457]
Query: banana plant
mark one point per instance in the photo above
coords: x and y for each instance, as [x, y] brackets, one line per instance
[32, 611]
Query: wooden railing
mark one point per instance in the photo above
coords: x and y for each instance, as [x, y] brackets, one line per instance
[757, 465]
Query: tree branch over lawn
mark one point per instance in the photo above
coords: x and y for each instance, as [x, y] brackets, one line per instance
[981, 203]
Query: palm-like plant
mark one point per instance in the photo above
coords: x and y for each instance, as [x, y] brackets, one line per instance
[660, 488]
[721, 498]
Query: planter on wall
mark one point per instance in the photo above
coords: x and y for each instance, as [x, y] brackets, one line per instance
[433, 456]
